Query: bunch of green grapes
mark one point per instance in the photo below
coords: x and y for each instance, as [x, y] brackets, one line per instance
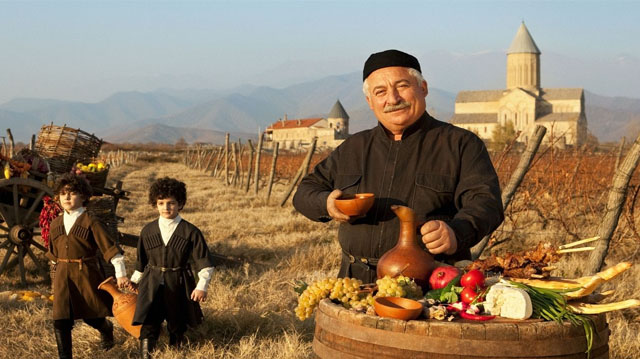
[347, 291]
[399, 286]
[312, 295]
[339, 290]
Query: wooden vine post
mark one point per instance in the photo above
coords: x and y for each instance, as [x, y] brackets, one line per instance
[11, 144]
[226, 159]
[617, 196]
[514, 182]
[239, 169]
[273, 169]
[234, 158]
[302, 171]
[257, 173]
[212, 155]
[250, 165]
[620, 150]
[214, 173]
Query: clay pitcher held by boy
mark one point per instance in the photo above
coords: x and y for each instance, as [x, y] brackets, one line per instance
[407, 258]
[124, 306]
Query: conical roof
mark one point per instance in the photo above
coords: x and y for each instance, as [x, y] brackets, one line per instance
[337, 111]
[523, 42]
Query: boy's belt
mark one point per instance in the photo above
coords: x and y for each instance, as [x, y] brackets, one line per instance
[166, 269]
[78, 260]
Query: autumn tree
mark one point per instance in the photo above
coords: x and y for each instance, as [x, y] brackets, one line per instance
[502, 135]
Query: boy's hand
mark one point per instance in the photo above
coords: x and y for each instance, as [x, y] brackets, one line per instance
[124, 283]
[198, 295]
[133, 287]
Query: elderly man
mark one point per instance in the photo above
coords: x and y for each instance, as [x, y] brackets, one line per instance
[442, 172]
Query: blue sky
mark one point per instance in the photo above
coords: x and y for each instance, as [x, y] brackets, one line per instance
[86, 50]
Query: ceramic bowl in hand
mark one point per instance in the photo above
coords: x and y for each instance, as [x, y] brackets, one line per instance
[355, 204]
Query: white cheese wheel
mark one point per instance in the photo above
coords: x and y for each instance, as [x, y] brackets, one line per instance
[508, 302]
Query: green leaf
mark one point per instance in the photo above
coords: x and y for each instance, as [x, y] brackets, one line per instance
[299, 286]
[449, 297]
[433, 294]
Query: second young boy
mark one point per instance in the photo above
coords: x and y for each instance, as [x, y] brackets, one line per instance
[168, 248]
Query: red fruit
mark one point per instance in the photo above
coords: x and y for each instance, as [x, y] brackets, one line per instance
[441, 276]
[472, 279]
[468, 295]
[470, 316]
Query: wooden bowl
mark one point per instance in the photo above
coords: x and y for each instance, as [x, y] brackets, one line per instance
[355, 204]
[397, 308]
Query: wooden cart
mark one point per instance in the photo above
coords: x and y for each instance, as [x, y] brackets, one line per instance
[21, 198]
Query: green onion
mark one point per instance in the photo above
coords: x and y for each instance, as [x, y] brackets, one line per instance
[551, 305]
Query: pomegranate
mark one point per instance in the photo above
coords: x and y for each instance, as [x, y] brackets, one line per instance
[441, 276]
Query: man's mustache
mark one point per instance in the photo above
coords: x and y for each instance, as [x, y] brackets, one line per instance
[400, 106]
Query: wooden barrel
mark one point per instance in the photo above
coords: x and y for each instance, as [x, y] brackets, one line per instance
[341, 333]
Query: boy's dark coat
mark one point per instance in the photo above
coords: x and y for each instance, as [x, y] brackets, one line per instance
[72, 287]
[186, 249]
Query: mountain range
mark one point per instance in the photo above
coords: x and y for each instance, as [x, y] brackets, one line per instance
[166, 115]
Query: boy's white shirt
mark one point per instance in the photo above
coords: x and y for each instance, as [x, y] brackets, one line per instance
[167, 227]
[70, 218]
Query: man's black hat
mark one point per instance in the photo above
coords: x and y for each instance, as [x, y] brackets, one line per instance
[387, 59]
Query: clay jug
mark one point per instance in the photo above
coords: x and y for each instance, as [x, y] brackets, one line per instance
[124, 306]
[407, 258]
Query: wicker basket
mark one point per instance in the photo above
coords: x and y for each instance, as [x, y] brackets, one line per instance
[96, 179]
[103, 209]
[63, 146]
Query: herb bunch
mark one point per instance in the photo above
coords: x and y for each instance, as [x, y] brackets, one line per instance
[551, 305]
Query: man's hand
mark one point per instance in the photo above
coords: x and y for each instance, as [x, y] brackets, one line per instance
[124, 283]
[333, 211]
[439, 237]
[198, 295]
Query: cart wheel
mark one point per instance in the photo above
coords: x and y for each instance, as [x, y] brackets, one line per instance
[20, 206]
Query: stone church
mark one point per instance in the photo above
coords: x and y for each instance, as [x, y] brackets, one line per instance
[524, 103]
[294, 134]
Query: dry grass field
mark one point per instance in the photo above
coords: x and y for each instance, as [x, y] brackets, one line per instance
[249, 311]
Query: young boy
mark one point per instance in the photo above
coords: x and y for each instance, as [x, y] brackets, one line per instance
[74, 242]
[167, 249]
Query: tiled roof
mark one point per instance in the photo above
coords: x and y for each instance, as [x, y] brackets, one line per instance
[479, 96]
[304, 122]
[523, 42]
[562, 94]
[559, 117]
[337, 111]
[462, 118]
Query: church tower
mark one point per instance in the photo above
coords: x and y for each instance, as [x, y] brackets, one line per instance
[523, 62]
[339, 120]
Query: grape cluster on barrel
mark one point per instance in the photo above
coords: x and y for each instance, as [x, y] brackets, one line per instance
[347, 291]
[399, 286]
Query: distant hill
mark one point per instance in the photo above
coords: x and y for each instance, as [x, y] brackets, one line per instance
[261, 106]
[159, 133]
[117, 111]
[248, 108]
[22, 125]
[611, 118]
